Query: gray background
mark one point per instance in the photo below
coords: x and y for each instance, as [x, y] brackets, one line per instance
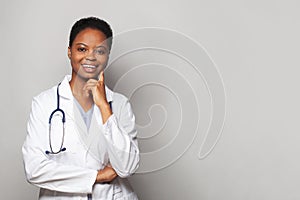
[255, 45]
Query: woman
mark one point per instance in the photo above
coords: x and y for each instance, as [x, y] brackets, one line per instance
[88, 153]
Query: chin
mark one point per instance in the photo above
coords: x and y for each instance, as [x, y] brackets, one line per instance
[87, 77]
[96, 77]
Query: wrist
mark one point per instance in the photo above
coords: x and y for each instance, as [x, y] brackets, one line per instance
[105, 110]
[103, 105]
[99, 177]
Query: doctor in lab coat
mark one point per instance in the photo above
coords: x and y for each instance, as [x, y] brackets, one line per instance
[100, 138]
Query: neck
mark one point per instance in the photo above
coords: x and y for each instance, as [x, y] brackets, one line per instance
[77, 84]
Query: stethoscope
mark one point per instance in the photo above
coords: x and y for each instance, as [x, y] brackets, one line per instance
[61, 149]
[63, 119]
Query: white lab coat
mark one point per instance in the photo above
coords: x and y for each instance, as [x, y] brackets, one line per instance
[71, 174]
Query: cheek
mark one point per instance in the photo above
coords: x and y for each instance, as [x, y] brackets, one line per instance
[76, 58]
[103, 59]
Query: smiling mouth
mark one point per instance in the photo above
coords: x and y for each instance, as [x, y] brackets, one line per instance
[89, 66]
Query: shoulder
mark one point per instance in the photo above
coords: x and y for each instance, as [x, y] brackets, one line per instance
[50, 94]
[121, 101]
[44, 102]
[116, 97]
[119, 97]
[121, 104]
[45, 96]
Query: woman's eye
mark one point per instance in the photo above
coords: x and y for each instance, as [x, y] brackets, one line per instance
[81, 49]
[100, 52]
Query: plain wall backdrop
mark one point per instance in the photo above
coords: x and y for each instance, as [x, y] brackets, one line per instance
[255, 46]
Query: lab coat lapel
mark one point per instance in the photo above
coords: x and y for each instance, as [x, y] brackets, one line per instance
[80, 125]
[96, 145]
[91, 138]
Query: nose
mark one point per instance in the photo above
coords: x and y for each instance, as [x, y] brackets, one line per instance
[90, 56]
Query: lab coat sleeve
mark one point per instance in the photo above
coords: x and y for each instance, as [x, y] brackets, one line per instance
[121, 140]
[46, 173]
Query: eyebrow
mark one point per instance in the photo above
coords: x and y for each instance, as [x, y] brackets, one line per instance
[80, 43]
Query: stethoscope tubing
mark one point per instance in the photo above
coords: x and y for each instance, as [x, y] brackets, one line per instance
[61, 149]
[58, 109]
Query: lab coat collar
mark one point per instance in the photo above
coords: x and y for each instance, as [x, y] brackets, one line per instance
[65, 90]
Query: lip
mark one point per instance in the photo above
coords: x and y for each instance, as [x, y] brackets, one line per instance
[89, 68]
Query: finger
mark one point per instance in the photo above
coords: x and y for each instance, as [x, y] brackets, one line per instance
[92, 80]
[88, 87]
[101, 77]
[90, 83]
[87, 93]
[89, 90]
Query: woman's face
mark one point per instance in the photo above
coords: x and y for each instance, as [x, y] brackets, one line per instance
[88, 54]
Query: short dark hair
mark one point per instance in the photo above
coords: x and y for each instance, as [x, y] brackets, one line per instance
[93, 23]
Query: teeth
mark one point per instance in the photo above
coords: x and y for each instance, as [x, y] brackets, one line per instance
[89, 66]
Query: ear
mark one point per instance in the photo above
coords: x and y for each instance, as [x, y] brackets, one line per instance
[69, 52]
